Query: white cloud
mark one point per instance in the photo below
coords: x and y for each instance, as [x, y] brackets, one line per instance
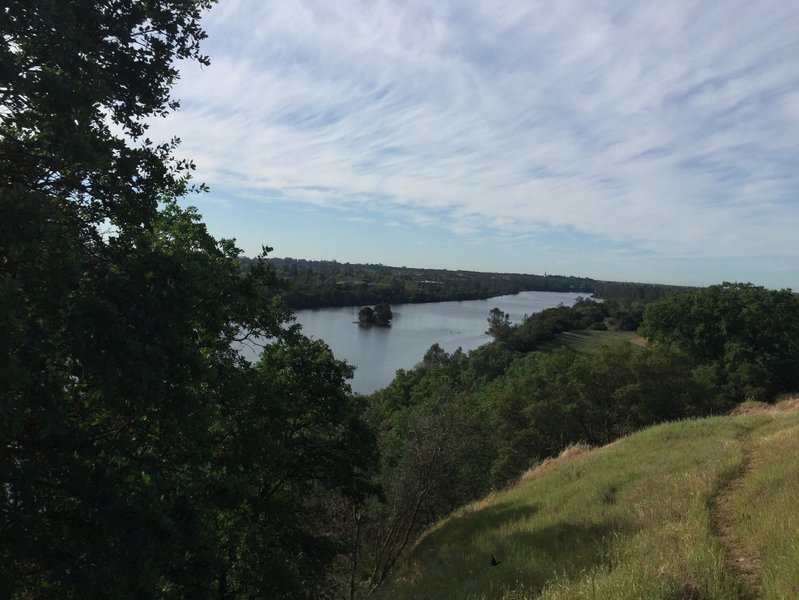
[668, 126]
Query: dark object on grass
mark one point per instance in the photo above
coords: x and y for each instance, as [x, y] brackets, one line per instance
[689, 591]
[494, 561]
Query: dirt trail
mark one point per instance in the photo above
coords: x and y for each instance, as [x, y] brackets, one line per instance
[745, 565]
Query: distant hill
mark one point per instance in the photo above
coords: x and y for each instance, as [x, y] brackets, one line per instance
[315, 284]
[687, 510]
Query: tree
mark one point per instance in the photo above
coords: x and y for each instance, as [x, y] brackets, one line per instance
[126, 412]
[563, 397]
[301, 448]
[433, 458]
[499, 325]
[744, 339]
[383, 314]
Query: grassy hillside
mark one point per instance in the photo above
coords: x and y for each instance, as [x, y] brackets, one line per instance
[693, 509]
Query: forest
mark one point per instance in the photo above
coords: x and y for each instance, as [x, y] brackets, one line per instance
[317, 284]
[142, 456]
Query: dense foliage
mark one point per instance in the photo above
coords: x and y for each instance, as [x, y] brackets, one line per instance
[330, 283]
[314, 284]
[381, 314]
[141, 456]
[743, 339]
[533, 331]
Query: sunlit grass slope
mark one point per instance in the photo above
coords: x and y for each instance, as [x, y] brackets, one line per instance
[763, 508]
[587, 340]
[636, 519]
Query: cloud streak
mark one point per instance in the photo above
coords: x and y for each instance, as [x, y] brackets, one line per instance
[672, 128]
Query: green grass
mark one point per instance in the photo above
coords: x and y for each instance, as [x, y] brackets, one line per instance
[588, 340]
[632, 520]
[764, 508]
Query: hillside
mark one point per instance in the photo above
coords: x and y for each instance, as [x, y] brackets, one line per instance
[694, 509]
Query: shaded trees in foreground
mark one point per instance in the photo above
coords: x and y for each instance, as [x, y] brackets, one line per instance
[141, 456]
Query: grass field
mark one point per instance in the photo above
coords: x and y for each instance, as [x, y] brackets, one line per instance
[641, 518]
[587, 340]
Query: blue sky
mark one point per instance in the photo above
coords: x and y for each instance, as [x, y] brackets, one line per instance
[618, 140]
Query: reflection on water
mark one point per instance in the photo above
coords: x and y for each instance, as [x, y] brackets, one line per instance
[377, 352]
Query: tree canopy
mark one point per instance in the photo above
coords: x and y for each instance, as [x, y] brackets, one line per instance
[366, 315]
[318, 283]
[743, 338]
[141, 455]
[381, 314]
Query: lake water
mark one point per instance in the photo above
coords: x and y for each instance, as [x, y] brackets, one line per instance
[377, 352]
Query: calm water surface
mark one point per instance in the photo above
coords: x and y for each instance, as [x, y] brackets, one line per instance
[377, 352]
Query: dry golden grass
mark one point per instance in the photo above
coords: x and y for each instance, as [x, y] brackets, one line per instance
[568, 453]
[786, 404]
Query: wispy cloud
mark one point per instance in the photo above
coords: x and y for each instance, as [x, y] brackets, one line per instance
[670, 127]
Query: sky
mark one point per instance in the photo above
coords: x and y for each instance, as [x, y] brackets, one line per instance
[619, 140]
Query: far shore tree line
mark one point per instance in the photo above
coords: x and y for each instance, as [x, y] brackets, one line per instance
[318, 284]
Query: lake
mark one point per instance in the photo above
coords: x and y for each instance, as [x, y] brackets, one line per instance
[377, 352]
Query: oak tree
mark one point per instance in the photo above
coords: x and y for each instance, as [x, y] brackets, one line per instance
[135, 441]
